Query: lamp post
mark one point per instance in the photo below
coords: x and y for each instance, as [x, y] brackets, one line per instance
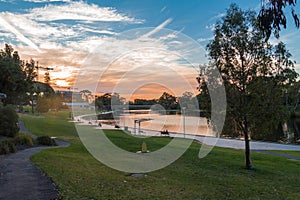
[183, 112]
[124, 117]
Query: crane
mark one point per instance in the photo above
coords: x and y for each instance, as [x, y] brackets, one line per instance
[43, 68]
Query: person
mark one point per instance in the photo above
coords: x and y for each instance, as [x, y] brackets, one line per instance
[99, 124]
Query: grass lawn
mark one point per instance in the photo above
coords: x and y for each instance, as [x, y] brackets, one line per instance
[220, 175]
[294, 153]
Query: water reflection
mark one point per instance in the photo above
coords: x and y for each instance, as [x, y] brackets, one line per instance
[172, 122]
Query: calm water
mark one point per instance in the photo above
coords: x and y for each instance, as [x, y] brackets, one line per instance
[172, 123]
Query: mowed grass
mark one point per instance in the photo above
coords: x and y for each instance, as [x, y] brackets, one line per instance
[220, 175]
[294, 153]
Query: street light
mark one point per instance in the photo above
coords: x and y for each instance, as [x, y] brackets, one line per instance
[183, 111]
[124, 117]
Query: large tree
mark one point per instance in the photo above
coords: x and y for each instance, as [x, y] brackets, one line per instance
[272, 16]
[12, 77]
[247, 64]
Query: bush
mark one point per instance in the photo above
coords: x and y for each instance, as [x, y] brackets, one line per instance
[12, 147]
[23, 139]
[4, 148]
[8, 121]
[43, 105]
[7, 147]
[45, 140]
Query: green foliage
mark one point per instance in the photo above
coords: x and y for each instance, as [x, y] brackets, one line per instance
[23, 139]
[272, 16]
[4, 148]
[168, 101]
[109, 102]
[8, 121]
[255, 75]
[12, 77]
[43, 104]
[250, 67]
[45, 140]
[7, 147]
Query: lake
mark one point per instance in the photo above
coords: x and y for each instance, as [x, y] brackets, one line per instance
[159, 122]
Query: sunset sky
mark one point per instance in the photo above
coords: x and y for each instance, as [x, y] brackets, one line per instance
[132, 47]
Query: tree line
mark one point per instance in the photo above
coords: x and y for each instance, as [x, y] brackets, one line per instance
[166, 101]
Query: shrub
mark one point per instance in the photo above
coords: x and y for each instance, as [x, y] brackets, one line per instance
[12, 147]
[7, 147]
[23, 139]
[43, 104]
[4, 148]
[8, 121]
[45, 140]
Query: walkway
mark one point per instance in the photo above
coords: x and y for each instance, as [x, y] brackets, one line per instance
[219, 142]
[21, 179]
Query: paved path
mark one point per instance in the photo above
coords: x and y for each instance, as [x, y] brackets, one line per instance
[219, 142]
[21, 179]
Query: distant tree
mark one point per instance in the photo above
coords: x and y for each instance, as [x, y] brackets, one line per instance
[29, 68]
[108, 102]
[86, 95]
[272, 17]
[56, 102]
[168, 101]
[186, 100]
[43, 104]
[47, 78]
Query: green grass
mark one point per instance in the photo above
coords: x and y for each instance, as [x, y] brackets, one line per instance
[294, 153]
[220, 175]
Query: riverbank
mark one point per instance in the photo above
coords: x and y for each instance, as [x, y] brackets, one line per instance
[220, 175]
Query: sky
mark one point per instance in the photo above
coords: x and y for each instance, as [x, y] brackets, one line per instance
[137, 48]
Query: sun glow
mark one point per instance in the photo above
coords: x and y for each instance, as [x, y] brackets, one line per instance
[60, 75]
[61, 83]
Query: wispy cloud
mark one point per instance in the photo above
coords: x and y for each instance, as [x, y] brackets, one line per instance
[204, 39]
[163, 9]
[217, 17]
[79, 11]
[158, 28]
[6, 25]
[210, 27]
[47, 1]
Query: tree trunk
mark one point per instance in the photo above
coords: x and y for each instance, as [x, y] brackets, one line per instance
[247, 146]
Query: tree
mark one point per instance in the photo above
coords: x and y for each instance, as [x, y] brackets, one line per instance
[29, 68]
[47, 78]
[272, 17]
[108, 102]
[43, 104]
[86, 95]
[186, 100]
[168, 101]
[246, 61]
[12, 78]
